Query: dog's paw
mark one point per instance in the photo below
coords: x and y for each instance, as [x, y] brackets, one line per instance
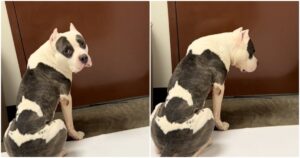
[225, 126]
[80, 134]
[222, 125]
[76, 135]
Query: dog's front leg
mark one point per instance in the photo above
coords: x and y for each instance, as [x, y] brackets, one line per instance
[217, 96]
[66, 106]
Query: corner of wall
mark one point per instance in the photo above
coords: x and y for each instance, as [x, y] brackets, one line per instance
[160, 44]
[10, 72]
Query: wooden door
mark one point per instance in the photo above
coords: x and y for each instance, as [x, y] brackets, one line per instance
[273, 29]
[117, 34]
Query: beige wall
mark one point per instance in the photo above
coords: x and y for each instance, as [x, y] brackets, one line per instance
[160, 44]
[10, 75]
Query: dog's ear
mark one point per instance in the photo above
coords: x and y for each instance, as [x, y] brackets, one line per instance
[238, 30]
[241, 35]
[53, 35]
[245, 35]
[72, 27]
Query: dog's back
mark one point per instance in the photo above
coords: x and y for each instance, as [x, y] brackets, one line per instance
[181, 125]
[183, 137]
[34, 130]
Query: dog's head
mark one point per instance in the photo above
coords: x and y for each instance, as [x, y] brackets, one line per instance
[244, 58]
[70, 47]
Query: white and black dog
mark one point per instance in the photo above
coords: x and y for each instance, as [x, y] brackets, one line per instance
[181, 126]
[46, 82]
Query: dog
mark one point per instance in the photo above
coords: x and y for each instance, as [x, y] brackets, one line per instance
[182, 126]
[46, 82]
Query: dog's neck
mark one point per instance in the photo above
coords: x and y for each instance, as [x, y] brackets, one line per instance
[222, 44]
[45, 54]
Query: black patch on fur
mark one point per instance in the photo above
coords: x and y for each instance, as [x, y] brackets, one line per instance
[64, 47]
[179, 111]
[42, 85]
[80, 40]
[37, 147]
[250, 49]
[181, 142]
[197, 73]
[29, 122]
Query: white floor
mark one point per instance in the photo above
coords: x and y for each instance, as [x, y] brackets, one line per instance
[133, 142]
[264, 141]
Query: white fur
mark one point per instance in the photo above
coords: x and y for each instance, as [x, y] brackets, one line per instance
[180, 92]
[64, 96]
[74, 62]
[244, 63]
[47, 133]
[231, 47]
[251, 64]
[45, 54]
[154, 111]
[48, 54]
[195, 123]
[221, 44]
[219, 86]
[28, 105]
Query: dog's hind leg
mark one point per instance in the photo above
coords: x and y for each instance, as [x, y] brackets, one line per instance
[48, 141]
[200, 137]
[204, 135]
[201, 149]
[62, 153]
[55, 146]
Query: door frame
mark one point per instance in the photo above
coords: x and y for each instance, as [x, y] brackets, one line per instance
[17, 36]
[174, 40]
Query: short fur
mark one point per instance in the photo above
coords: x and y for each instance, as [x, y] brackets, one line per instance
[182, 125]
[46, 82]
